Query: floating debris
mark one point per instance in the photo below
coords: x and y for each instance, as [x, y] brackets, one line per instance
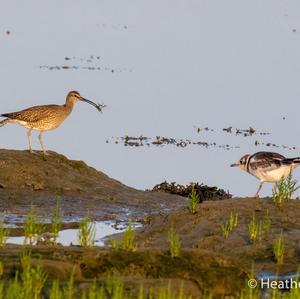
[160, 141]
[80, 63]
[246, 132]
[114, 26]
[269, 144]
[203, 129]
[205, 192]
[228, 130]
[89, 68]
[163, 141]
[133, 141]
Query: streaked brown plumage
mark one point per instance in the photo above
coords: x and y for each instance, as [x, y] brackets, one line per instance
[45, 117]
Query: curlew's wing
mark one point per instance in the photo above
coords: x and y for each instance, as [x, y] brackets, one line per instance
[32, 114]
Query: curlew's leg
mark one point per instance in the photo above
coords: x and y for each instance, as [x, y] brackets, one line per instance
[29, 139]
[41, 143]
[260, 185]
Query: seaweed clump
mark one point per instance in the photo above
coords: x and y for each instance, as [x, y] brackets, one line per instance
[205, 192]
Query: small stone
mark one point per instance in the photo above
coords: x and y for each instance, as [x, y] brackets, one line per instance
[37, 186]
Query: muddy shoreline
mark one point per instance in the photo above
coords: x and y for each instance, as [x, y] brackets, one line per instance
[207, 261]
[31, 180]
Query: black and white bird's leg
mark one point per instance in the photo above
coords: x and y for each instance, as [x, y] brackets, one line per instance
[259, 187]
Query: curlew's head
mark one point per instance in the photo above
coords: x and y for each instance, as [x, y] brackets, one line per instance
[74, 96]
[242, 163]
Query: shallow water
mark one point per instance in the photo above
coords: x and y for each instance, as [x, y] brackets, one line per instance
[68, 237]
[11, 219]
[162, 72]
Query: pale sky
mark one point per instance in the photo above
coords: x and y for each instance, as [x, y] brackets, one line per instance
[177, 64]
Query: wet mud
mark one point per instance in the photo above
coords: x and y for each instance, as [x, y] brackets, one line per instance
[28, 180]
[207, 260]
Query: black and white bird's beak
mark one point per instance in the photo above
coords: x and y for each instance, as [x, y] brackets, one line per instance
[98, 107]
[235, 165]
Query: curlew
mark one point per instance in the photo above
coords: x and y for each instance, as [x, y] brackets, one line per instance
[45, 117]
[267, 166]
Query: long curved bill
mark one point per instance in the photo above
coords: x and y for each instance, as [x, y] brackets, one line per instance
[99, 107]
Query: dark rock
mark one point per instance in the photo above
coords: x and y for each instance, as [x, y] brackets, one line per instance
[205, 192]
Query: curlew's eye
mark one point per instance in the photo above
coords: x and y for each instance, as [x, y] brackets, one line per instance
[241, 161]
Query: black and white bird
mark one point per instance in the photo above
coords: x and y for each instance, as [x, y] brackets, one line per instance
[267, 166]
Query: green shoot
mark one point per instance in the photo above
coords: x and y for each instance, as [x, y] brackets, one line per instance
[284, 189]
[15, 289]
[257, 229]
[128, 239]
[1, 281]
[278, 249]
[86, 233]
[33, 278]
[294, 292]
[229, 225]
[92, 294]
[83, 295]
[114, 244]
[253, 229]
[56, 221]
[168, 293]
[69, 290]
[141, 292]
[55, 291]
[114, 286]
[174, 242]
[193, 201]
[4, 232]
[32, 228]
[267, 222]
